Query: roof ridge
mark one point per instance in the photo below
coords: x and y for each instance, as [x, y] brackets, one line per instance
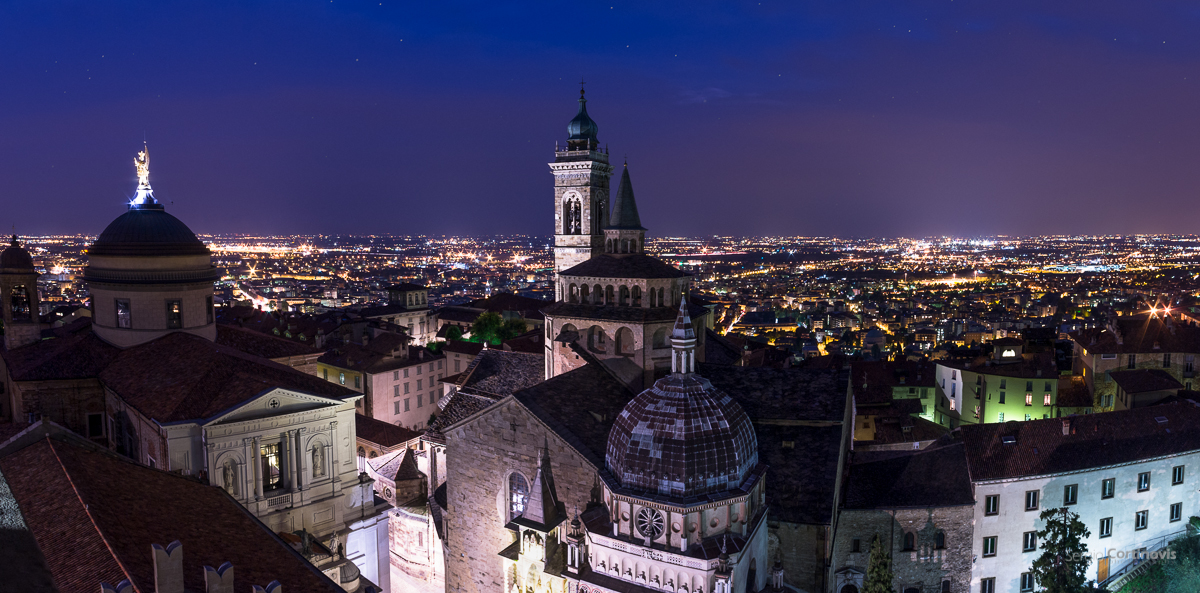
[88, 511]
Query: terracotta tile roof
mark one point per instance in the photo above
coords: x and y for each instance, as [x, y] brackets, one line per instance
[1143, 380]
[625, 266]
[95, 515]
[1141, 334]
[463, 347]
[873, 381]
[792, 393]
[382, 433]
[718, 350]
[507, 301]
[181, 377]
[935, 476]
[74, 355]
[1038, 447]
[260, 344]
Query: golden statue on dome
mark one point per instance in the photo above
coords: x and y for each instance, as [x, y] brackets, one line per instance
[142, 163]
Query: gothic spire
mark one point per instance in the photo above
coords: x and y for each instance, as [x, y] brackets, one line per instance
[625, 212]
[542, 506]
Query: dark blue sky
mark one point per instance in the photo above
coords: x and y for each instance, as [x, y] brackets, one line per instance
[833, 118]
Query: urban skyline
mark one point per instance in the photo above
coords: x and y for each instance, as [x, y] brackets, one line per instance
[920, 119]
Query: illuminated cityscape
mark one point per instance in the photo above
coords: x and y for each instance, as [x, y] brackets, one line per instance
[870, 297]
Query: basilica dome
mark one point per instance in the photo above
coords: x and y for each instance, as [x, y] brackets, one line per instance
[682, 438]
[147, 229]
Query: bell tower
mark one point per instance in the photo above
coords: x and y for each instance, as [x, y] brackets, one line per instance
[19, 296]
[581, 173]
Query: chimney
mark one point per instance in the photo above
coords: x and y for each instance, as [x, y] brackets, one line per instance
[272, 587]
[168, 567]
[218, 580]
[1066, 426]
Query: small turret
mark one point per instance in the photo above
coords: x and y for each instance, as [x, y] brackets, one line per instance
[624, 234]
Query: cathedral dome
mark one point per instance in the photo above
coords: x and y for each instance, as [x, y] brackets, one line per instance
[16, 257]
[147, 229]
[582, 127]
[682, 437]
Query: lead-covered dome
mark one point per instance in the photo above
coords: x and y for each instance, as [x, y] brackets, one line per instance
[16, 257]
[682, 438]
[147, 229]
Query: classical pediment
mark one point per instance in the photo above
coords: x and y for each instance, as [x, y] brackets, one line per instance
[274, 402]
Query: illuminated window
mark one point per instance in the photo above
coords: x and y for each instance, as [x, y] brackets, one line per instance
[1046, 400]
[518, 493]
[271, 476]
[1029, 399]
[342, 378]
[174, 314]
[1009, 353]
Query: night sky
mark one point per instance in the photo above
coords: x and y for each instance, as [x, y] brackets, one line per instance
[836, 118]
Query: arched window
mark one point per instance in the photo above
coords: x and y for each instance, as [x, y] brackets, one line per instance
[318, 460]
[633, 246]
[637, 296]
[623, 300]
[609, 298]
[625, 345]
[653, 298]
[624, 245]
[518, 493]
[597, 295]
[910, 542]
[362, 452]
[585, 294]
[573, 292]
[660, 338]
[940, 540]
[596, 339]
[661, 302]
[608, 246]
[372, 455]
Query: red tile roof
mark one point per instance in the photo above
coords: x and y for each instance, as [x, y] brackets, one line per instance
[1039, 447]
[94, 516]
[260, 344]
[381, 433]
[181, 377]
[74, 355]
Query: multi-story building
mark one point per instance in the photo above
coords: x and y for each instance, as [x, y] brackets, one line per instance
[1147, 341]
[1007, 385]
[1129, 475]
[399, 382]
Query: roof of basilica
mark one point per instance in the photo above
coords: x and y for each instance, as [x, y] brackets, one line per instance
[181, 377]
[75, 354]
[634, 265]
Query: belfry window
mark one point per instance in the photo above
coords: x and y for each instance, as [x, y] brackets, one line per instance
[518, 493]
[20, 303]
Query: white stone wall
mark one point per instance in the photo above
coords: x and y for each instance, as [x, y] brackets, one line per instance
[1013, 520]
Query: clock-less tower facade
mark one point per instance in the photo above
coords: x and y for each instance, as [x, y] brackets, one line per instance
[581, 174]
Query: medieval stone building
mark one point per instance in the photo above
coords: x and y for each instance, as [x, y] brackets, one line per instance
[632, 465]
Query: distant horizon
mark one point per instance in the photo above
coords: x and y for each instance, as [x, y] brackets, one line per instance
[803, 119]
[650, 237]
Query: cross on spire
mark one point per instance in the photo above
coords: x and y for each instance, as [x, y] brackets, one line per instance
[581, 83]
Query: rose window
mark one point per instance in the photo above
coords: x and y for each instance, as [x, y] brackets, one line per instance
[650, 523]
